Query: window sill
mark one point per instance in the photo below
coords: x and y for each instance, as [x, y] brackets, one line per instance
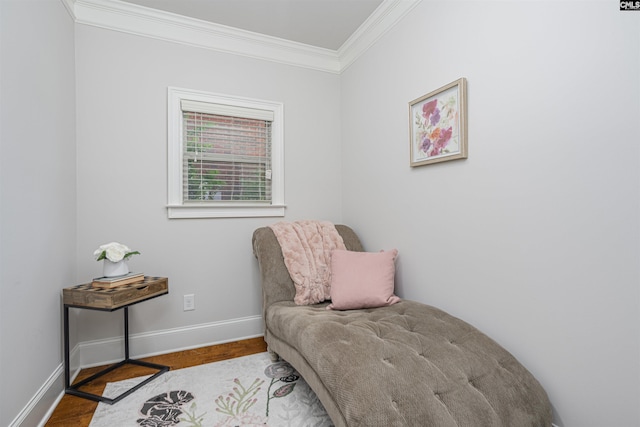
[224, 211]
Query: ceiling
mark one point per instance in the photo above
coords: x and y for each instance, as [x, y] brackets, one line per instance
[321, 23]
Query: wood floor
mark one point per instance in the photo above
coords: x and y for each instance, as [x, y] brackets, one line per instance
[77, 412]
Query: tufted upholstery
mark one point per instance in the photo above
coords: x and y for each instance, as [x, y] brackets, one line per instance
[408, 364]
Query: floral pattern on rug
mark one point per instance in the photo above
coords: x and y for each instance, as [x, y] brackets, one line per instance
[237, 403]
[259, 393]
[164, 409]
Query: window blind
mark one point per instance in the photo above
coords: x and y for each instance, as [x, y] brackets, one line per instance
[226, 110]
[226, 153]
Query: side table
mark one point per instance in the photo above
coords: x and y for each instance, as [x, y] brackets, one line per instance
[86, 296]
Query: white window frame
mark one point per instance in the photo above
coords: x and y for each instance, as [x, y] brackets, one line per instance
[176, 208]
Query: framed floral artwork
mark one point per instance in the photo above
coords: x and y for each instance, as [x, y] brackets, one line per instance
[438, 125]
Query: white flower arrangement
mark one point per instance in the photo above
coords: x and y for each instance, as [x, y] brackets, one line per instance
[114, 252]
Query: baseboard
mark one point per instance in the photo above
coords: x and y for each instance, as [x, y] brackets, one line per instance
[101, 352]
[45, 398]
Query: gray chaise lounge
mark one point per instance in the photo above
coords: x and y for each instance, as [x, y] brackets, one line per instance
[407, 364]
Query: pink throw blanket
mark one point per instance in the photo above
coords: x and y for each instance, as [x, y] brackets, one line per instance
[306, 247]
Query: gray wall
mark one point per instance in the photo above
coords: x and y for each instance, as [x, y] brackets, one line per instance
[534, 238]
[122, 85]
[37, 196]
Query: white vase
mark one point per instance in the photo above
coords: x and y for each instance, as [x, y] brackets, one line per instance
[113, 269]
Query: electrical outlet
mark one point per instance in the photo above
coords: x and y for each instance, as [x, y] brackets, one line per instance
[189, 302]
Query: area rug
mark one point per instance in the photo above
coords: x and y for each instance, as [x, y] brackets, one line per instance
[246, 391]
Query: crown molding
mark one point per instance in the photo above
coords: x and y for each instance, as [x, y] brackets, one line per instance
[134, 19]
[387, 15]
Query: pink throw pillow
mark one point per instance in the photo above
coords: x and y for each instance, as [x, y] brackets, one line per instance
[362, 279]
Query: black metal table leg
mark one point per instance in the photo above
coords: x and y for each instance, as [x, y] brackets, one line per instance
[67, 375]
[126, 333]
[75, 388]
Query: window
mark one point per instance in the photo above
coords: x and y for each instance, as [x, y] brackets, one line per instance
[225, 156]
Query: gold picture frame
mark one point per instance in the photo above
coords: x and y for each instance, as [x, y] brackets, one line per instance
[438, 125]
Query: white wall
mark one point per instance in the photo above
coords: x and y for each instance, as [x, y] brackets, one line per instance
[122, 85]
[534, 238]
[38, 199]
